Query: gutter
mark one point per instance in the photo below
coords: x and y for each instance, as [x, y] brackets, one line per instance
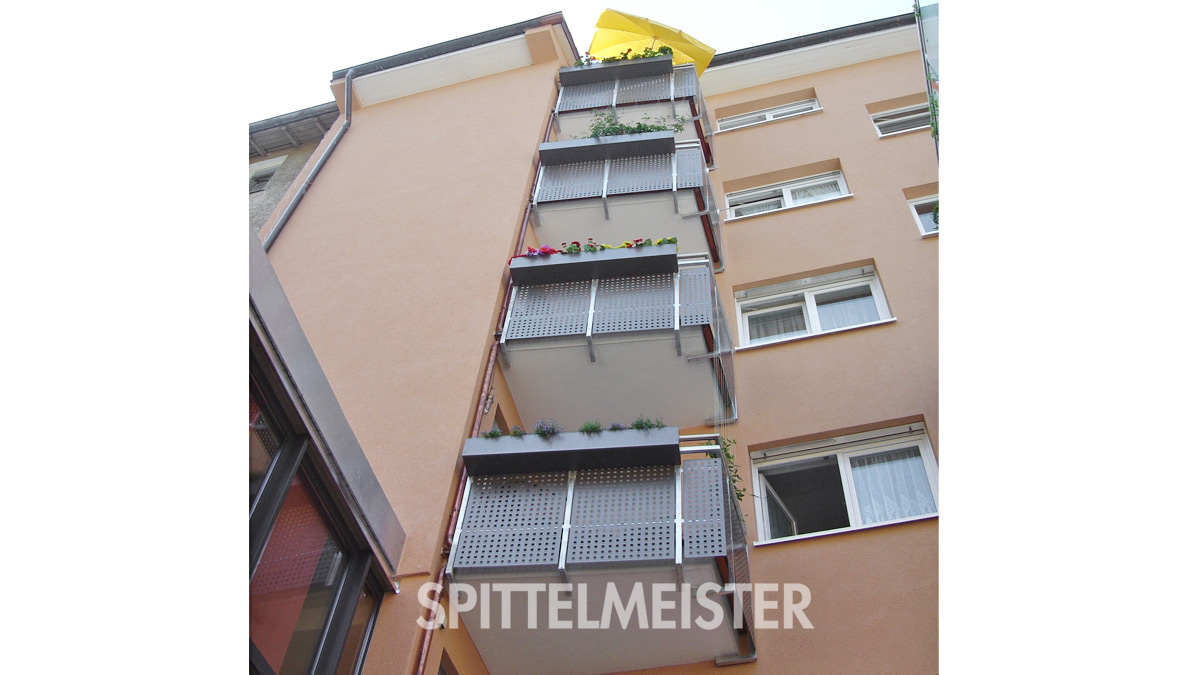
[312, 175]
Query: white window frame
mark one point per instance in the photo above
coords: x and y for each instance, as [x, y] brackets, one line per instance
[922, 201]
[267, 166]
[805, 292]
[845, 448]
[780, 112]
[915, 111]
[767, 193]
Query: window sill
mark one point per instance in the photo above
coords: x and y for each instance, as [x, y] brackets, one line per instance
[906, 131]
[814, 335]
[759, 124]
[789, 208]
[844, 530]
[926, 235]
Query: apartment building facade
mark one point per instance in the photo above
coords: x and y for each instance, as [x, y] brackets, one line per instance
[770, 292]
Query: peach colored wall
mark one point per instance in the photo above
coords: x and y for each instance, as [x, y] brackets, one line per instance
[394, 265]
[874, 591]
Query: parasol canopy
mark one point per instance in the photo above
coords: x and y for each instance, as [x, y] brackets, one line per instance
[617, 31]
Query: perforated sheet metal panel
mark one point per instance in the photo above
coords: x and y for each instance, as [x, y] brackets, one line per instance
[577, 180]
[513, 520]
[725, 346]
[634, 303]
[584, 96]
[703, 509]
[690, 168]
[738, 556]
[638, 89]
[549, 310]
[623, 514]
[695, 296]
[646, 173]
[685, 82]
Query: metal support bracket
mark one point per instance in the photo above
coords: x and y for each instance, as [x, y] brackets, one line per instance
[591, 316]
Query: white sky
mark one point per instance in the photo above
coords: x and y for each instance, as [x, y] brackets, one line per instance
[305, 42]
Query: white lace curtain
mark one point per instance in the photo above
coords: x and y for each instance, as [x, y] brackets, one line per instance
[891, 485]
[847, 312]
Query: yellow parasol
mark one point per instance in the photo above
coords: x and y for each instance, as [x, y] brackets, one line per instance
[618, 31]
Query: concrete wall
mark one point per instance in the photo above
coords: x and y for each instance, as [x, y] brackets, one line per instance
[264, 202]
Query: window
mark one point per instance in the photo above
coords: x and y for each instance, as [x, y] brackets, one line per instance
[925, 210]
[768, 115]
[312, 604]
[869, 479]
[787, 195]
[258, 182]
[901, 120]
[810, 306]
[261, 172]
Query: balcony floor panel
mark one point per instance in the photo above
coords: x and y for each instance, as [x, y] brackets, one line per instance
[647, 215]
[634, 374]
[586, 651]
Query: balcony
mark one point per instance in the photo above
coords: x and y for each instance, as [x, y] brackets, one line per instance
[618, 188]
[616, 334]
[650, 87]
[619, 508]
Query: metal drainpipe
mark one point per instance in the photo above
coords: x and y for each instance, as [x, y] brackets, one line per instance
[427, 638]
[312, 175]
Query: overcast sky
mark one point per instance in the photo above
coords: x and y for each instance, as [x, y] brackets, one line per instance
[304, 42]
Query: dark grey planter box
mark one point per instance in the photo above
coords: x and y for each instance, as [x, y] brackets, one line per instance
[586, 265]
[607, 147]
[600, 72]
[571, 450]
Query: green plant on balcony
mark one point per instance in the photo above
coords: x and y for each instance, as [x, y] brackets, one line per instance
[605, 123]
[547, 428]
[593, 427]
[494, 433]
[644, 423]
[517, 431]
[626, 55]
[727, 448]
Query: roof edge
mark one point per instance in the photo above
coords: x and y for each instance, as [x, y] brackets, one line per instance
[455, 45]
[789, 44]
[288, 118]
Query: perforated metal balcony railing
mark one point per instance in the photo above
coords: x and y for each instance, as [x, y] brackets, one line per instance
[652, 195]
[579, 349]
[611, 525]
[681, 84]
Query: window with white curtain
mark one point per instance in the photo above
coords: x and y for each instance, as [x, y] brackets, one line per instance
[768, 115]
[871, 479]
[808, 190]
[822, 304]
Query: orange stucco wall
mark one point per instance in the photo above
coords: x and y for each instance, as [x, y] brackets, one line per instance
[393, 263]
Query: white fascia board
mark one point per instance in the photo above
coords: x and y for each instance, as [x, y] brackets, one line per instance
[440, 71]
[805, 60]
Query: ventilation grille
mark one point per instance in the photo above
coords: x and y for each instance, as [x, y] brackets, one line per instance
[513, 520]
[624, 514]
